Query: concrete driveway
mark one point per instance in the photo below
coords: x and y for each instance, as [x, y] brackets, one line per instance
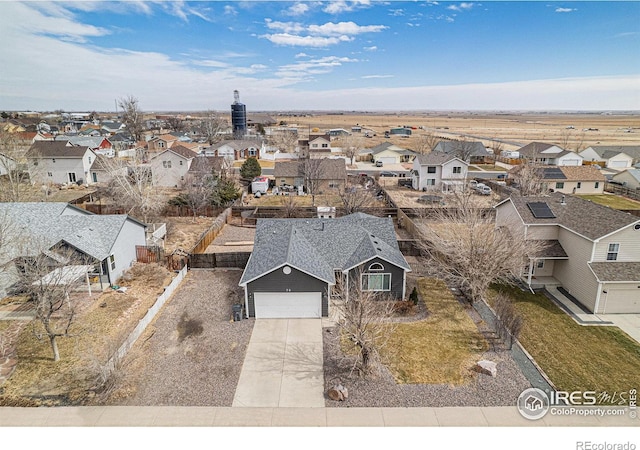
[283, 365]
[629, 323]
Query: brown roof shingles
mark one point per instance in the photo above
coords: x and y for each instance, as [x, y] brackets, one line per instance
[579, 215]
[616, 271]
[55, 149]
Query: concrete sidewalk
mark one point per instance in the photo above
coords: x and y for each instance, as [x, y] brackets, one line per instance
[168, 416]
[283, 365]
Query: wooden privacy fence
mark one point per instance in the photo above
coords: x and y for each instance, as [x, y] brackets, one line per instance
[149, 254]
[633, 194]
[212, 260]
[208, 236]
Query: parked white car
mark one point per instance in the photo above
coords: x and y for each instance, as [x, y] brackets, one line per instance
[483, 189]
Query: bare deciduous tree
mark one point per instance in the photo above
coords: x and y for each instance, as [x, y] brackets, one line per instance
[468, 250]
[131, 185]
[364, 319]
[289, 207]
[176, 123]
[351, 146]
[13, 165]
[284, 140]
[196, 193]
[425, 143]
[529, 178]
[463, 149]
[312, 171]
[212, 126]
[355, 198]
[132, 116]
[48, 278]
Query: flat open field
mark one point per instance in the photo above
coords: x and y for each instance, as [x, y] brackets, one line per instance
[514, 130]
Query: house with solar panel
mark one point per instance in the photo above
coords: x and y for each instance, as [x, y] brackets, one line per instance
[591, 252]
[297, 263]
[567, 179]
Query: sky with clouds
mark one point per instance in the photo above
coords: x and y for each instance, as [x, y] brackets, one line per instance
[361, 55]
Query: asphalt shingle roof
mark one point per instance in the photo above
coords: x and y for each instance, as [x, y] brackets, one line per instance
[55, 149]
[582, 216]
[616, 271]
[434, 158]
[320, 246]
[45, 225]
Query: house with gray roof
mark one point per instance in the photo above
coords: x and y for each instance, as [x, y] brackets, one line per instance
[438, 171]
[59, 162]
[170, 167]
[549, 154]
[613, 157]
[235, 149]
[296, 263]
[389, 153]
[592, 251]
[109, 241]
[628, 178]
[470, 151]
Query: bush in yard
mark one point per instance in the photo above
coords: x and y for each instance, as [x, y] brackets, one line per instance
[250, 169]
[403, 307]
[413, 297]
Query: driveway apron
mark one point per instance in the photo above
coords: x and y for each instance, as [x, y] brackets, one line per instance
[283, 365]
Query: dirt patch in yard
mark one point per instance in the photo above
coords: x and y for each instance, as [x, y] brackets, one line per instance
[184, 232]
[192, 353]
[233, 239]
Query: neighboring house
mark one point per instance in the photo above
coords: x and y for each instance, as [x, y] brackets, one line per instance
[104, 169]
[338, 132]
[613, 157]
[470, 151]
[592, 251]
[162, 142]
[59, 162]
[568, 179]
[438, 172]
[629, 178]
[98, 144]
[296, 264]
[170, 167]
[234, 150]
[549, 154]
[388, 153]
[317, 146]
[109, 240]
[330, 173]
[207, 166]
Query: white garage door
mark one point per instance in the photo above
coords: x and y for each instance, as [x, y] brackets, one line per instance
[618, 164]
[622, 301]
[282, 305]
[387, 160]
[571, 162]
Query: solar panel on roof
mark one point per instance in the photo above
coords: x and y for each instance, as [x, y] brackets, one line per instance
[553, 173]
[541, 210]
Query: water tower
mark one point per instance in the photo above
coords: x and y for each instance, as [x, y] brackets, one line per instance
[238, 116]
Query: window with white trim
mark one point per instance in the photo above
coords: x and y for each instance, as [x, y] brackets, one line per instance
[166, 164]
[431, 169]
[457, 169]
[612, 252]
[597, 185]
[560, 185]
[376, 267]
[376, 281]
[431, 181]
[112, 261]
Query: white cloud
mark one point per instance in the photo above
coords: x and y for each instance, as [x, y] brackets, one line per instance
[340, 6]
[301, 70]
[366, 77]
[373, 48]
[297, 9]
[343, 28]
[230, 10]
[461, 7]
[565, 10]
[396, 12]
[305, 41]
[285, 27]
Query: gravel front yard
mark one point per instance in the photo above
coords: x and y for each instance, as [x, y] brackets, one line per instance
[192, 354]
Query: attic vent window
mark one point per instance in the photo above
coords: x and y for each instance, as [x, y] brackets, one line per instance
[375, 267]
[286, 270]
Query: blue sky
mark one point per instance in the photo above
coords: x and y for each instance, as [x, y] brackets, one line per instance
[341, 55]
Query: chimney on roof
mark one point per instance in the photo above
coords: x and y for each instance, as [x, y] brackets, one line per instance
[563, 202]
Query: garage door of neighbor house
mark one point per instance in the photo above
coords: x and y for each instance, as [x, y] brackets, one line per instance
[282, 305]
[622, 301]
[618, 164]
[387, 160]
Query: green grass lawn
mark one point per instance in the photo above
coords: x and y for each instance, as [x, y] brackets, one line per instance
[576, 357]
[612, 201]
[440, 349]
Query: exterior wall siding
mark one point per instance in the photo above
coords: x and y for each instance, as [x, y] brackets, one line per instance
[124, 249]
[277, 281]
[169, 176]
[629, 240]
[574, 273]
[543, 232]
[506, 216]
[397, 275]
